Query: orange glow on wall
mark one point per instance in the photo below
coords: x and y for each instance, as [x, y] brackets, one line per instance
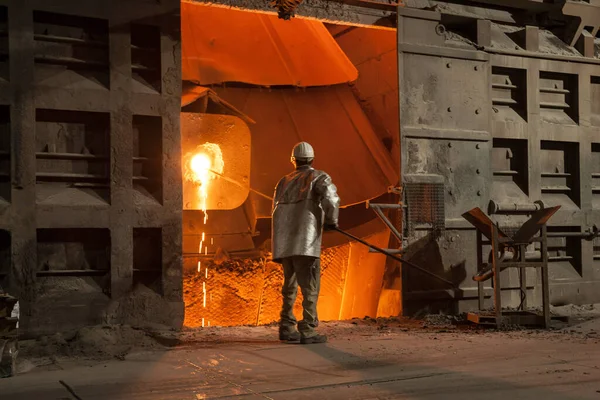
[224, 45]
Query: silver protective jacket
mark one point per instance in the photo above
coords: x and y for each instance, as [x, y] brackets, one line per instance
[304, 201]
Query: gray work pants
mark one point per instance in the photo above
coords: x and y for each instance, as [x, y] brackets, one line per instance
[306, 272]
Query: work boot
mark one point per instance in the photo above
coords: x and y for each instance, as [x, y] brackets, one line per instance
[289, 336]
[314, 339]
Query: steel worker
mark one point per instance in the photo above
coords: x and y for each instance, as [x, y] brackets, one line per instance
[305, 204]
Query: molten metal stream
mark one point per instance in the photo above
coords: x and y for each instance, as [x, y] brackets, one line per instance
[201, 166]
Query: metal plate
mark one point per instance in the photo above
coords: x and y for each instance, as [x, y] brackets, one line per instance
[482, 222]
[522, 318]
[445, 93]
[534, 224]
[465, 188]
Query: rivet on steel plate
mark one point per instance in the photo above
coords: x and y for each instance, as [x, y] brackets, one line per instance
[479, 193]
[478, 111]
[477, 171]
[449, 144]
[477, 146]
[449, 109]
[449, 65]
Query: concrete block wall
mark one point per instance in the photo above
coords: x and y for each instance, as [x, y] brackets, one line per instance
[90, 176]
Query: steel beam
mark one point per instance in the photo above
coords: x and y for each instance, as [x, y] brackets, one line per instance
[528, 5]
[380, 14]
[377, 208]
[356, 12]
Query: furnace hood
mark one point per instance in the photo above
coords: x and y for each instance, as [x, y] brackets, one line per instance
[331, 120]
[225, 45]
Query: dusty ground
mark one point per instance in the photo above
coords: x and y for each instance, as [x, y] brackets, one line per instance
[116, 341]
[436, 357]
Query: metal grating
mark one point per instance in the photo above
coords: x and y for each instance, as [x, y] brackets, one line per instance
[248, 291]
[425, 206]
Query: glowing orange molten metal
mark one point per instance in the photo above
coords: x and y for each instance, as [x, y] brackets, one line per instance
[202, 165]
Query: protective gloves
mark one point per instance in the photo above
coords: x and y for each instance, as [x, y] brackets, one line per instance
[330, 227]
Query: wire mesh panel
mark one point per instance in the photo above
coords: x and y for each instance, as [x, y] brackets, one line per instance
[425, 206]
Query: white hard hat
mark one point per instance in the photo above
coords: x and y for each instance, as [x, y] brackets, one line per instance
[302, 151]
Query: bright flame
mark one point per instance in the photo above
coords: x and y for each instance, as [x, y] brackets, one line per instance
[202, 165]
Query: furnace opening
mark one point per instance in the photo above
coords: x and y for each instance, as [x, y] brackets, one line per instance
[247, 100]
[203, 165]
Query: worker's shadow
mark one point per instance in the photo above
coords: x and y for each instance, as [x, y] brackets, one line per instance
[428, 253]
[348, 361]
[345, 361]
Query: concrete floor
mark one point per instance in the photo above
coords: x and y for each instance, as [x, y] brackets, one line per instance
[365, 363]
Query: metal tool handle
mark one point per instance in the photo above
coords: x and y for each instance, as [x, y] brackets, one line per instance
[382, 251]
[237, 183]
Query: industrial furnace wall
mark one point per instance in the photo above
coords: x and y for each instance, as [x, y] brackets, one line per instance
[506, 114]
[90, 187]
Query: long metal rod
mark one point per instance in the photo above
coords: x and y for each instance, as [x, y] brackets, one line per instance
[497, 277]
[382, 251]
[386, 221]
[241, 185]
[545, 277]
[381, 205]
[582, 235]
